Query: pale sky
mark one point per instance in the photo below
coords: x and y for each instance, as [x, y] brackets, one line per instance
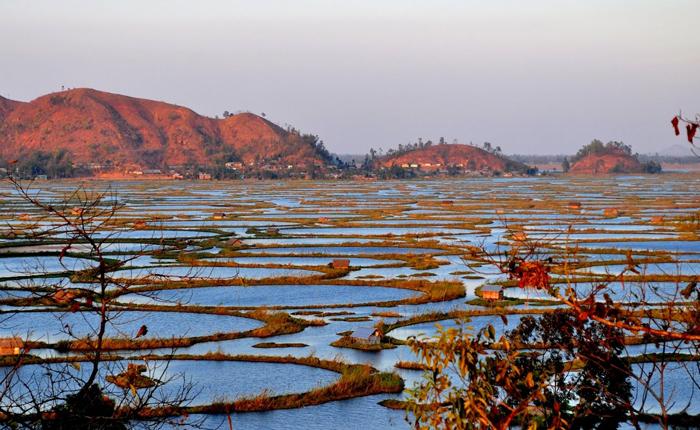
[538, 76]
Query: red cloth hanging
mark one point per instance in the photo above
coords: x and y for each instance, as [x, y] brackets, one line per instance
[674, 122]
[691, 129]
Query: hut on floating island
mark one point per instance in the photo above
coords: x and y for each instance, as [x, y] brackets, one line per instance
[492, 292]
[234, 242]
[340, 263]
[367, 335]
[11, 346]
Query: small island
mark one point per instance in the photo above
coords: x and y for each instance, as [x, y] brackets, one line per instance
[612, 157]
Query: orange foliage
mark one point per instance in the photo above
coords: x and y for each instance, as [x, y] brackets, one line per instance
[532, 274]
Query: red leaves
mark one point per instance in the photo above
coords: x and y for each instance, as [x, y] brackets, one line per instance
[675, 122]
[691, 129]
[532, 274]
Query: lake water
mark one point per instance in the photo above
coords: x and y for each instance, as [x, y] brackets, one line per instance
[304, 226]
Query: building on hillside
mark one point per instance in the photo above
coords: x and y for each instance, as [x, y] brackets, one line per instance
[234, 165]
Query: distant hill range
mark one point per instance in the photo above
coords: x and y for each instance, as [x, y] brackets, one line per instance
[452, 158]
[677, 151]
[100, 131]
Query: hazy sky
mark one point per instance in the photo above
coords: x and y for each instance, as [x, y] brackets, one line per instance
[531, 76]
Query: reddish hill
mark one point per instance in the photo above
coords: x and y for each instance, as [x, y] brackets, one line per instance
[96, 126]
[607, 163]
[465, 157]
[7, 105]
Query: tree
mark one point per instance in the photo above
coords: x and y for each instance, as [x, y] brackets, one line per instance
[597, 147]
[565, 165]
[70, 396]
[492, 384]
[476, 381]
[600, 394]
[56, 164]
[652, 166]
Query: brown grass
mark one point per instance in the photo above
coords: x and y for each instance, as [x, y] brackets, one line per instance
[349, 342]
[411, 365]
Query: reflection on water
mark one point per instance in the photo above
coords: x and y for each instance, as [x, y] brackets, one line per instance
[273, 295]
[55, 326]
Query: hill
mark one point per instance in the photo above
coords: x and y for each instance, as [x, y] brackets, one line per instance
[7, 105]
[612, 157]
[453, 157]
[607, 163]
[112, 131]
[676, 151]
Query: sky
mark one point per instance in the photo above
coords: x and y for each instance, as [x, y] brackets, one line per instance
[537, 76]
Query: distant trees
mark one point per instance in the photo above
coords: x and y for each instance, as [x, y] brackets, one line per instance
[597, 147]
[565, 165]
[313, 141]
[651, 166]
[56, 164]
[421, 143]
[317, 144]
[412, 146]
